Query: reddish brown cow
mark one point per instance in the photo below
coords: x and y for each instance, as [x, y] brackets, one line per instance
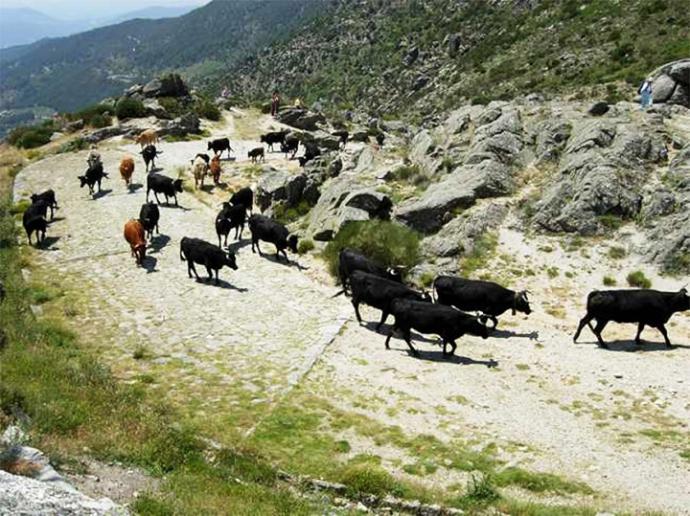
[215, 169]
[134, 234]
[127, 169]
[147, 137]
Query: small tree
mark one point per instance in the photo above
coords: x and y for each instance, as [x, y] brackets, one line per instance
[128, 107]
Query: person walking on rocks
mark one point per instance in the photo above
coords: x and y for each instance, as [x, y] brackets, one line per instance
[645, 92]
[275, 103]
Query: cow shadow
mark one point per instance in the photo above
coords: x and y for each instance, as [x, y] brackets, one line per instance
[174, 207]
[47, 243]
[133, 187]
[207, 188]
[229, 158]
[100, 194]
[221, 284]
[154, 169]
[630, 346]
[234, 247]
[507, 334]
[158, 242]
[281, 261]
[438, 356]
[149, 264]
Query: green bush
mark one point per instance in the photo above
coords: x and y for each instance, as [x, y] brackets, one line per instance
[480, 493]
[305, 246]
[95, 115]
[207, 109]
[370, 479]
[99, 121]
[29, 137]
[75, 145]
[609, 281]
[128, 107]
[171, 105]
[385, 242]
[638, 279]
[616, 253]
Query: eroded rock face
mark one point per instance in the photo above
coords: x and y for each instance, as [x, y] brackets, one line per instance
[301, 118]
[671, 83]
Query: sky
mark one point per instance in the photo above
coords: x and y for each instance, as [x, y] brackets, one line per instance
[90, 9]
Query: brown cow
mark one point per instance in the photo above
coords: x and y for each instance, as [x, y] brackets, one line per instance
[134, 234]
[215, 169]
[127, 169]
[147, 137]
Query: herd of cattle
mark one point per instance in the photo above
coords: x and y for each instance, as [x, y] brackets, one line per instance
[444, 313]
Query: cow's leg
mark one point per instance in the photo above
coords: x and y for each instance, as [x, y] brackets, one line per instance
[226, 239]
[285, 255]
[409, 341]
[640, 327]
[454, 346]
[217, 280]
[384, 316]
[601, 324]
[663, 331]
[209, 271]
[390, 334]
[585, 320]
[355, 303]
[253, 243]
[175, 197]
[445, 342]
[189, 268]
[155, 194]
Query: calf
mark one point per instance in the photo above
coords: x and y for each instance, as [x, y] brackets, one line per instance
[194, 250]
[127, 169]
[343, 136]
[243, 196]
[48, 197]
[373, 290]
[444, 321]
[149, 215]
[350, 260]
[273, 137]
[230, 217]
[289, 145]
[163, 184]
[215, 169]
[256, 154]
[219, 145]
[645, 307]
[34, 221]
[199, 169]
[134, 234]
[269, 230]
[483, 296]
[149, 154]
[94, 175]
[147, 137]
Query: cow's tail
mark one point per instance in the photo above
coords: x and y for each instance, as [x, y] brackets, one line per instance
[433, 291]
[182, 258]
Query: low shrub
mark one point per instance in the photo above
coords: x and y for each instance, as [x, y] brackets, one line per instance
[385, 242]
[370, 479]
[207, 109]
[128, 107]
[609, 281]
[480, 493]
[638, 279]
[617, 253]
[305, 246]
[96, 115]
[30, 137]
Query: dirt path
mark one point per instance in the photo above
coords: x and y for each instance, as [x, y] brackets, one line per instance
[616, 420]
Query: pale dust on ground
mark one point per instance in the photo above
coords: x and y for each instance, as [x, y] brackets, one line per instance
[226, 354]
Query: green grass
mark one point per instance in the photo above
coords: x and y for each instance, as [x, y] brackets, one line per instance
[638, 279]
[305, 246]
[385, 242]
[609, 281]
[482, 252]
[616, 252]
[539, 482]
[481, 492]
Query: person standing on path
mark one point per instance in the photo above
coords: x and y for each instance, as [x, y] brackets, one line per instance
[275, 103]
[645, 92]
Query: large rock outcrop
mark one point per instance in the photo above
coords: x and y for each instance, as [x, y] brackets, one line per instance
[301, 118]
[671, 83]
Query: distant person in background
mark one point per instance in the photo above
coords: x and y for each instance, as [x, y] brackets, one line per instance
[298, 102]
[275, 103]
[645, 92]
[225, 93]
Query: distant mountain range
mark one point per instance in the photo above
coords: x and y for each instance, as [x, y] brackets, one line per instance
[71, 72]
[21, 26]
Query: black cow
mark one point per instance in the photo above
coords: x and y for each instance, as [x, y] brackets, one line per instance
[373, 290]
[269, 230]
[34, 221]
[219, 145]
[343, 136]
[149, 154]
[289, 145]
[243, 196]
[477, 295]
[380, 138]
[645, 307]
[93, 175]
[49, 198]
[444, 321]
[231, 216]
[311, 151]
[195, 250]
[257, 153]
[163, 184]
[272, 138]
[350, 260]
[149, 217]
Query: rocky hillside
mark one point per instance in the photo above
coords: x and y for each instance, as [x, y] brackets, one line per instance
[100, 62]
[426, 56]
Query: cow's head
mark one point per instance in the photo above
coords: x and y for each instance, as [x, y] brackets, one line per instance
[177, 185]
[230, 261]
[82, 180]
[292, 243]
[521, 303]
[478, 327]
[264, 138]
[681, 300]
[395, 273]
[209, 146]
[34, 198]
